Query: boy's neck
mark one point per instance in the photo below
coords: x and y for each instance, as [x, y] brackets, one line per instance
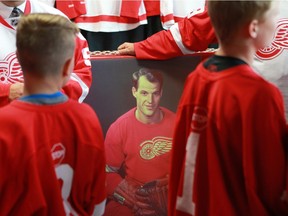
[41, 86]
[243, 52]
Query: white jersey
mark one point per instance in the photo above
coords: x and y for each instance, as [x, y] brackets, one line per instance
[10, 70]
[123, 15]
[111, 16]
[272, 61]
[176, 10]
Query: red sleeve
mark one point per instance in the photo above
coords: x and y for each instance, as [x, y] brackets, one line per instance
[194, 33]
[4, 92]
[78, 86]
[154, 48]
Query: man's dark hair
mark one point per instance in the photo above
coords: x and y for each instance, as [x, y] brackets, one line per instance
[152, 75]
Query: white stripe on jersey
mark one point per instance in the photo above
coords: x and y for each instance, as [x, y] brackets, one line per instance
[177, 37]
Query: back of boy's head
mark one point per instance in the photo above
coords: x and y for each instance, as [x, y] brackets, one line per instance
[227, 16]
[44, 43]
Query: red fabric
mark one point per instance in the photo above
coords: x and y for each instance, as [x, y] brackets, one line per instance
[197, 31]
[152, 7]
[130, 8]
[232, 124]
[129, 142]
[159, 46]
[37, 141]
[110, 18]
[113, 180]
[82, 68]
[4, 92]
[196, 34]
[114, 208]
[71, 8]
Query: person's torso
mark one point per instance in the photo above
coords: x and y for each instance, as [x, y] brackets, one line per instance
[147, 147]
[58, 141]
[218, 108]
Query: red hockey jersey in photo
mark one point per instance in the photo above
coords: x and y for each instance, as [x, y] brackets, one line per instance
[144, 149]
[228, 155]
[52, 160]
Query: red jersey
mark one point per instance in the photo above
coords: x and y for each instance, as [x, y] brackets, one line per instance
[71, 8]
[152, 7]
[228, 156]
[194, 33]
[144, 149]
[52, 160]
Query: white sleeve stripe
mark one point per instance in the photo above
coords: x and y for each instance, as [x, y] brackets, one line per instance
[84, 87]
[177, 37]
[99, 209]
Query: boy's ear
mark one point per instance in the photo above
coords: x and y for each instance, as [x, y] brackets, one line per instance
[253, 28]
[67, 68]
[17, 54]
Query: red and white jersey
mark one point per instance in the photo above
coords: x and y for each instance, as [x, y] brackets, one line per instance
[71, 8]
[152, 7]
[271, 61]
[52, 160]
[176, 10]
[228, 155]
[112, 16]
[144, 149]
[195, 33]
[123, 15]
[10, 71]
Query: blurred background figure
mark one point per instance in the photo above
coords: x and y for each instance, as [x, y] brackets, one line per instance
[11, 77]
[108, 23]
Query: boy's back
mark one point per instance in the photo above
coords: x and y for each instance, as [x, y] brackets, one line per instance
[228, 154]
[237, 127]
[51, 148]
[63, 139]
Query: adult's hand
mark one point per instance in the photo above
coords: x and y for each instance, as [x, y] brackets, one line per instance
[126, 49]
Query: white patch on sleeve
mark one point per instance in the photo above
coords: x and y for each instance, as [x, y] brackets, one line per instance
[84, 87]
[99, 209]
[177, 37]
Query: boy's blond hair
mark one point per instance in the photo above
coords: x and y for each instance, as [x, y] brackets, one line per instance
[227, 16]
[44, 42]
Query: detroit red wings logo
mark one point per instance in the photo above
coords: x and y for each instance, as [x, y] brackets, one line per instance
[279, 43]
[155, 147]
[199, 119]
[10, 70]
[58, 152]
